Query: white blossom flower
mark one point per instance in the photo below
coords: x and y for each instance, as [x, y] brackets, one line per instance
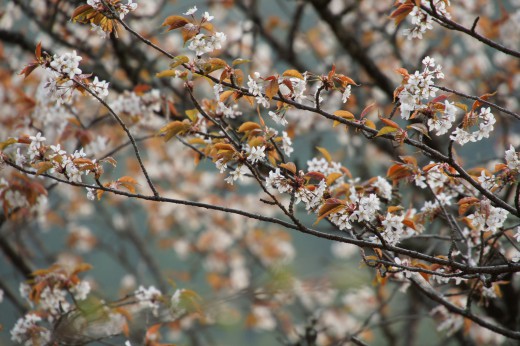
[149, 298]
[206, 17]
[67, 63]
[443, 123]
[81, 290]
[28, 332]
[278, 118]
[256, 154]
[384, 189]
[277, 181]
[100, 88]
[393, 228]
[346, 94]
[190, 11]
[237, 174]
[512, 158]
[287, 144]
[202, 44]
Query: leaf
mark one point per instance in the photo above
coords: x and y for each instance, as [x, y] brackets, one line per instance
[165, 73]
[81, 14]
[110, 160]
[389, 122]
[401, 12]
[224, 146]
[7, 143]
[179, 60]
[409, 223]
[237, 62]
[38, 50]
[370, 124]
[329, 205]
[175, 22]
[344, 114]
[466, 203]
[345, 80]
[100, 193]
[174, 128]
[290, 166]
[208, 27]
[462, 106]
[225, 95]
[272, 88]
[27, 70]
[239, 76]
[315, 175]
[367, 110]
[386, 130]
[188, 32]
[439, 99]
[43, 167]
[331, 178]
[394, 208]
[214, 64]
[325, 153]
[397, 172]
[419, 127]
[192, 114]
[293, 74]
[128, 182]
[484, 97]
[248, 126]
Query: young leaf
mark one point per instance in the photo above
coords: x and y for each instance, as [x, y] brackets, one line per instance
[385, 130]
[419, 127]
[179, 60]
[290, 166]
[344, 114]
[248, 126]
[165, 73]
[293, 74]
[237, 62]
[175, 22]
[128, 182]
[367, 110]
[272, 88]
[325, 153]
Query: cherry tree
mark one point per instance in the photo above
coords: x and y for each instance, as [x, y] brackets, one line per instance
[170, 171]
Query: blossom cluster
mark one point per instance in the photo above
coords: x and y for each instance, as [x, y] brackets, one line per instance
[63, 76]
[485, 121]
[26, 331]
[120, 8]
[419, 86]
[422, 21]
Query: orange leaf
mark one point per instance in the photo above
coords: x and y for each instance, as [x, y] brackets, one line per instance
[293, 74]
[248, 126]
[290, 166]
[272, 88]
[389, 122]
[316, 175]
[325, 153]
[43, 167]
[344, 114]
[175, 22]
[331, 178]
[367, 110]
[128, 183]
[394, 208]
[386, 130]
